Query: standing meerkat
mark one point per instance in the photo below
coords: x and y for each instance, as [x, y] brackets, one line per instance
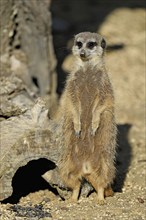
[89, 128]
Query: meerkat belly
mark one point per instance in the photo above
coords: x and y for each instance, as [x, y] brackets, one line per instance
[87, 99]
[84, 92]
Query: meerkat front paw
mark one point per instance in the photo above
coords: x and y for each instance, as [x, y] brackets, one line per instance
[77, 128]
[95, 123]
[94, 128]
[92, 132]
[78, 134]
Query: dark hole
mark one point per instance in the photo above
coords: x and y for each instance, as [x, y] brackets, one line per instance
[35, 81]
[17, 46]
[28, 179]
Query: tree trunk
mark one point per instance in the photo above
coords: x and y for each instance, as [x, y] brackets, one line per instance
[27, 70]
[26, 44]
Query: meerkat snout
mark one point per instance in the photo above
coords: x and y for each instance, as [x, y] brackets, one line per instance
[82, 54]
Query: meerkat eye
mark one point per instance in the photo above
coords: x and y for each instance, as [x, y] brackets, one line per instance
[91, 44]
[79, 44]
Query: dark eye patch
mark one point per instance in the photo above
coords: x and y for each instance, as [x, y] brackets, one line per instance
[91, 44]
[79, 44]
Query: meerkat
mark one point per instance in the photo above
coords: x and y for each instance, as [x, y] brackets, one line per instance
[89, 128]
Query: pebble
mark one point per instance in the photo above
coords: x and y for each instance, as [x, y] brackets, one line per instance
[140, 200]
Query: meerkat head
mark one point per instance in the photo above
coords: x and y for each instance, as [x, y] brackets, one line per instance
[88, 46]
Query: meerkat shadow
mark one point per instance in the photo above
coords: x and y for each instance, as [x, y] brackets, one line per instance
[124, 154]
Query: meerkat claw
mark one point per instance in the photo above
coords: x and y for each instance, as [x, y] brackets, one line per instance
[78, 134]
[101, 202]
[92, 132]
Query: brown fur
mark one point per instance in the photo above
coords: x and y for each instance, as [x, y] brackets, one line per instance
[89, 129]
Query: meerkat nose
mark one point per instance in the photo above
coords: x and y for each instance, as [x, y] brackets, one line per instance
[82, 54]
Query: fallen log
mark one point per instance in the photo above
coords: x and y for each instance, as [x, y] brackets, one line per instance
[24, 138]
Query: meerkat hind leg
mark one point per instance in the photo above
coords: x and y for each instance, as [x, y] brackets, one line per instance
[75, 193]
[99, 190]
[100, 196]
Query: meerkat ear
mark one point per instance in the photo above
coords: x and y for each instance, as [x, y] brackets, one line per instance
[103, 43]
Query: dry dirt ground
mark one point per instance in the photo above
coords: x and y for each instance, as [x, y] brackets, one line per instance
[124, 30]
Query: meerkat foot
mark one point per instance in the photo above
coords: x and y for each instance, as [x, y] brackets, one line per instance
[72, 200]
[101, 201]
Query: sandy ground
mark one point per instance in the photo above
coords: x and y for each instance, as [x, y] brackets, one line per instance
[123, 29]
